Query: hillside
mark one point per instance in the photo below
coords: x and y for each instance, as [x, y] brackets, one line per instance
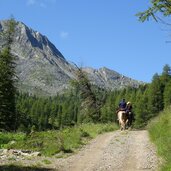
[42, 69]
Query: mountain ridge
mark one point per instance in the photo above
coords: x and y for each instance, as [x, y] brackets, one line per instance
[42, 69]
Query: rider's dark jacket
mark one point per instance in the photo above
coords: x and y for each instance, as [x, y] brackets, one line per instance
[122, 105]
[128, 108]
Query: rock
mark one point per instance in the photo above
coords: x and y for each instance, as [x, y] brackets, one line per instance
[5, 151]
[1, 151]
[18, 153]
[35, 154]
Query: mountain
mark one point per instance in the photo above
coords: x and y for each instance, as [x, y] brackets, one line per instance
[110, 79]
[42, 69]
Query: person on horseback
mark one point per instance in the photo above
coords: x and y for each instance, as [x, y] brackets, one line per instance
[122, 105]
[129, 113]
[128, 107]
[121, 114]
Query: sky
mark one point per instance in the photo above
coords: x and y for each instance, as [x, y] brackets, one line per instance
[98, 33]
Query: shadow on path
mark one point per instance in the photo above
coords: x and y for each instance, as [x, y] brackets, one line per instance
[22, 168]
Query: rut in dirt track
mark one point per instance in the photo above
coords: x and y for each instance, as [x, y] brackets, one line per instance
[115, 151]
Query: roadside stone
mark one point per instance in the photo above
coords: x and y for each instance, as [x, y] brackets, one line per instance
[35, 154]
[4, 153]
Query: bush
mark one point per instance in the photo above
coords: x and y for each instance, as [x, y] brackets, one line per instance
[160, 133]
[7, 137]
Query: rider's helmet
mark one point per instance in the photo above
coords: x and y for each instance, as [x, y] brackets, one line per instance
[128, 103]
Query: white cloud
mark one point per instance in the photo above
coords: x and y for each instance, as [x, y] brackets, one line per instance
[51, 1]
[64, 34]
[31, 2]
[40, 3]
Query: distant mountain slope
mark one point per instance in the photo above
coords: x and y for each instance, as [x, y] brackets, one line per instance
[42, 69]
[110, 79]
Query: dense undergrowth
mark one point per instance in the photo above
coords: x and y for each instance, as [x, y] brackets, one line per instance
[53, 142]
[160, 133]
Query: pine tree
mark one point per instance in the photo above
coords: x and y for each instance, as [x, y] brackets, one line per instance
[155, 95]
[90, 109]
[167, 95]
[142, 112]
[7, 80]
[157, 6]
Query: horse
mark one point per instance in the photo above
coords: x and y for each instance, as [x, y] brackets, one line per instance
[123, 119]
[130, 119]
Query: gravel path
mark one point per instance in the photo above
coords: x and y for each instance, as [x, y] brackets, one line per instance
[116, 151]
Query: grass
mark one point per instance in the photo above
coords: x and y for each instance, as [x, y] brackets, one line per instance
[160, 133]
[8, 137]
[45, 161]
[50, 143]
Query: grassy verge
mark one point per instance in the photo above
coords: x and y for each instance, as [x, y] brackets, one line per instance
[160, 132]
[52, 142]
[7, 138]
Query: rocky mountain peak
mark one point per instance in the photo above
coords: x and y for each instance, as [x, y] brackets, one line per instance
[24, 35]
[43, 70]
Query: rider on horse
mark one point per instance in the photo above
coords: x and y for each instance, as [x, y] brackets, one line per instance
[129, 113]
[122, 115]
[127, 108]
[122, 105]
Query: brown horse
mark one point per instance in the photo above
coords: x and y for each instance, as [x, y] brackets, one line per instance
[123, 119]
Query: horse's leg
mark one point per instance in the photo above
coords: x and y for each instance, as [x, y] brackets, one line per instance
[127, 123]
[123, 125]
[130, 122]
[120, 123]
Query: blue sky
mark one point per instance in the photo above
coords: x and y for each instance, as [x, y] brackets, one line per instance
[98, 33]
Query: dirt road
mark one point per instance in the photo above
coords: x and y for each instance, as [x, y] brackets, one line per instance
[115, 151]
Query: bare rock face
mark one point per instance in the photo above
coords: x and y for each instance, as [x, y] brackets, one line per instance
[43, 70]
[110, 79]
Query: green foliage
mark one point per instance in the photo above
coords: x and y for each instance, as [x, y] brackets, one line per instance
[166, 70]
[90, 101]
[88, 104]
[167, 94]
[154, 98]
[141, 109]
[7, 80]
[160, 132]
[52, 142]
[156, 95]
[108, 109]
[43, 113]
[157, 6]
[69, 109]
[7, 137]
[46, 161]
[94, 129]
